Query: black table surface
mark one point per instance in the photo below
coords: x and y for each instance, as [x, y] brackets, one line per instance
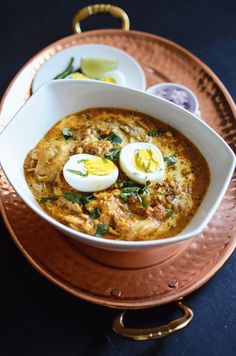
[38, 318]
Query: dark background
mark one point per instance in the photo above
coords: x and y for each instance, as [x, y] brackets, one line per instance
[38, 318]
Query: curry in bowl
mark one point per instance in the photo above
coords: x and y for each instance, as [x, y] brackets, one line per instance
[117, 174]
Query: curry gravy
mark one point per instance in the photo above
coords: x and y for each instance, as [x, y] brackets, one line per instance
[160, 210]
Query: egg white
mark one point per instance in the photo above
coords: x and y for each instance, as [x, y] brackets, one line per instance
[89, 183]
[127, 164]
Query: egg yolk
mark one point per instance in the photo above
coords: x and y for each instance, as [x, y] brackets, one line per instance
[99, 166]
[108, 80]
[146, 160]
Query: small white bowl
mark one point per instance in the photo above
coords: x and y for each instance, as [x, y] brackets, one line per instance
[59, 98]
[163, 89]
[133, 73]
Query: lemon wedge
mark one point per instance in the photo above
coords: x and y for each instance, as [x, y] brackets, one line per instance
[95, 67]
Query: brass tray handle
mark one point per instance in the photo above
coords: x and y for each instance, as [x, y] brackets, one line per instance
[87, 11]
[153, 333]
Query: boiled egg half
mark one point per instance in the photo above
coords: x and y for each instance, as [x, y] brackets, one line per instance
[114, 76]
[89, 173]
[142, 162]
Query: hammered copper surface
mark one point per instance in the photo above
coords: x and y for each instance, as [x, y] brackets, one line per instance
[59, 258]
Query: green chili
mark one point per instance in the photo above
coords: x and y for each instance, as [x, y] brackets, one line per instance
[67, 71]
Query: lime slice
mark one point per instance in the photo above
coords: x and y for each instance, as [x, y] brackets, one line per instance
[96, 67]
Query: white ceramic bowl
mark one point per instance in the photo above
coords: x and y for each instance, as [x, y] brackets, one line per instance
[62, 97]
[132, 70]
[159, 90]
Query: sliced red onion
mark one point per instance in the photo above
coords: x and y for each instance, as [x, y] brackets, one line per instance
[177, 94]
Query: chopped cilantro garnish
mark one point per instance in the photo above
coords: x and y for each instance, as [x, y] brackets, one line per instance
[169, 213]
[129, 188]
[124, 197]
[86, 198]
[112, 137]
[170, 161]
[78, 198]
[157, 132]
[102, 137]
[127, 183]
[79, 173]
[66, 133]
[101, 229]
[113, 155]
[50, 198]
[74, 198]
[95, 213]
[144, 190]
[127, 192]
[145, 200]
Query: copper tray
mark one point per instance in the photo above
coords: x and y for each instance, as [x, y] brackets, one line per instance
[60, 259]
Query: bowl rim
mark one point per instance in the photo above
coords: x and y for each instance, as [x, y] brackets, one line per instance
[109, 243]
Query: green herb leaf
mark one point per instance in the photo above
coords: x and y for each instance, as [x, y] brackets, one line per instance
[74, 198]
[95, 213]
[79, 173]
[170, 161]
[131, 190]
[112, 137]
[169, 213]
[78, 198]
[144, 195]
[128, 192]
[102, 137]
[67, 71]
[113, 155]
[66, 133]
[144, 190]
[145, 200]
[86, 198]
[123, 197]
[127, 183]
[101, 229]
[157, 132]
[50, 198]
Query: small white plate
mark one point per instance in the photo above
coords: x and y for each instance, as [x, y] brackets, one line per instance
[134, 75]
